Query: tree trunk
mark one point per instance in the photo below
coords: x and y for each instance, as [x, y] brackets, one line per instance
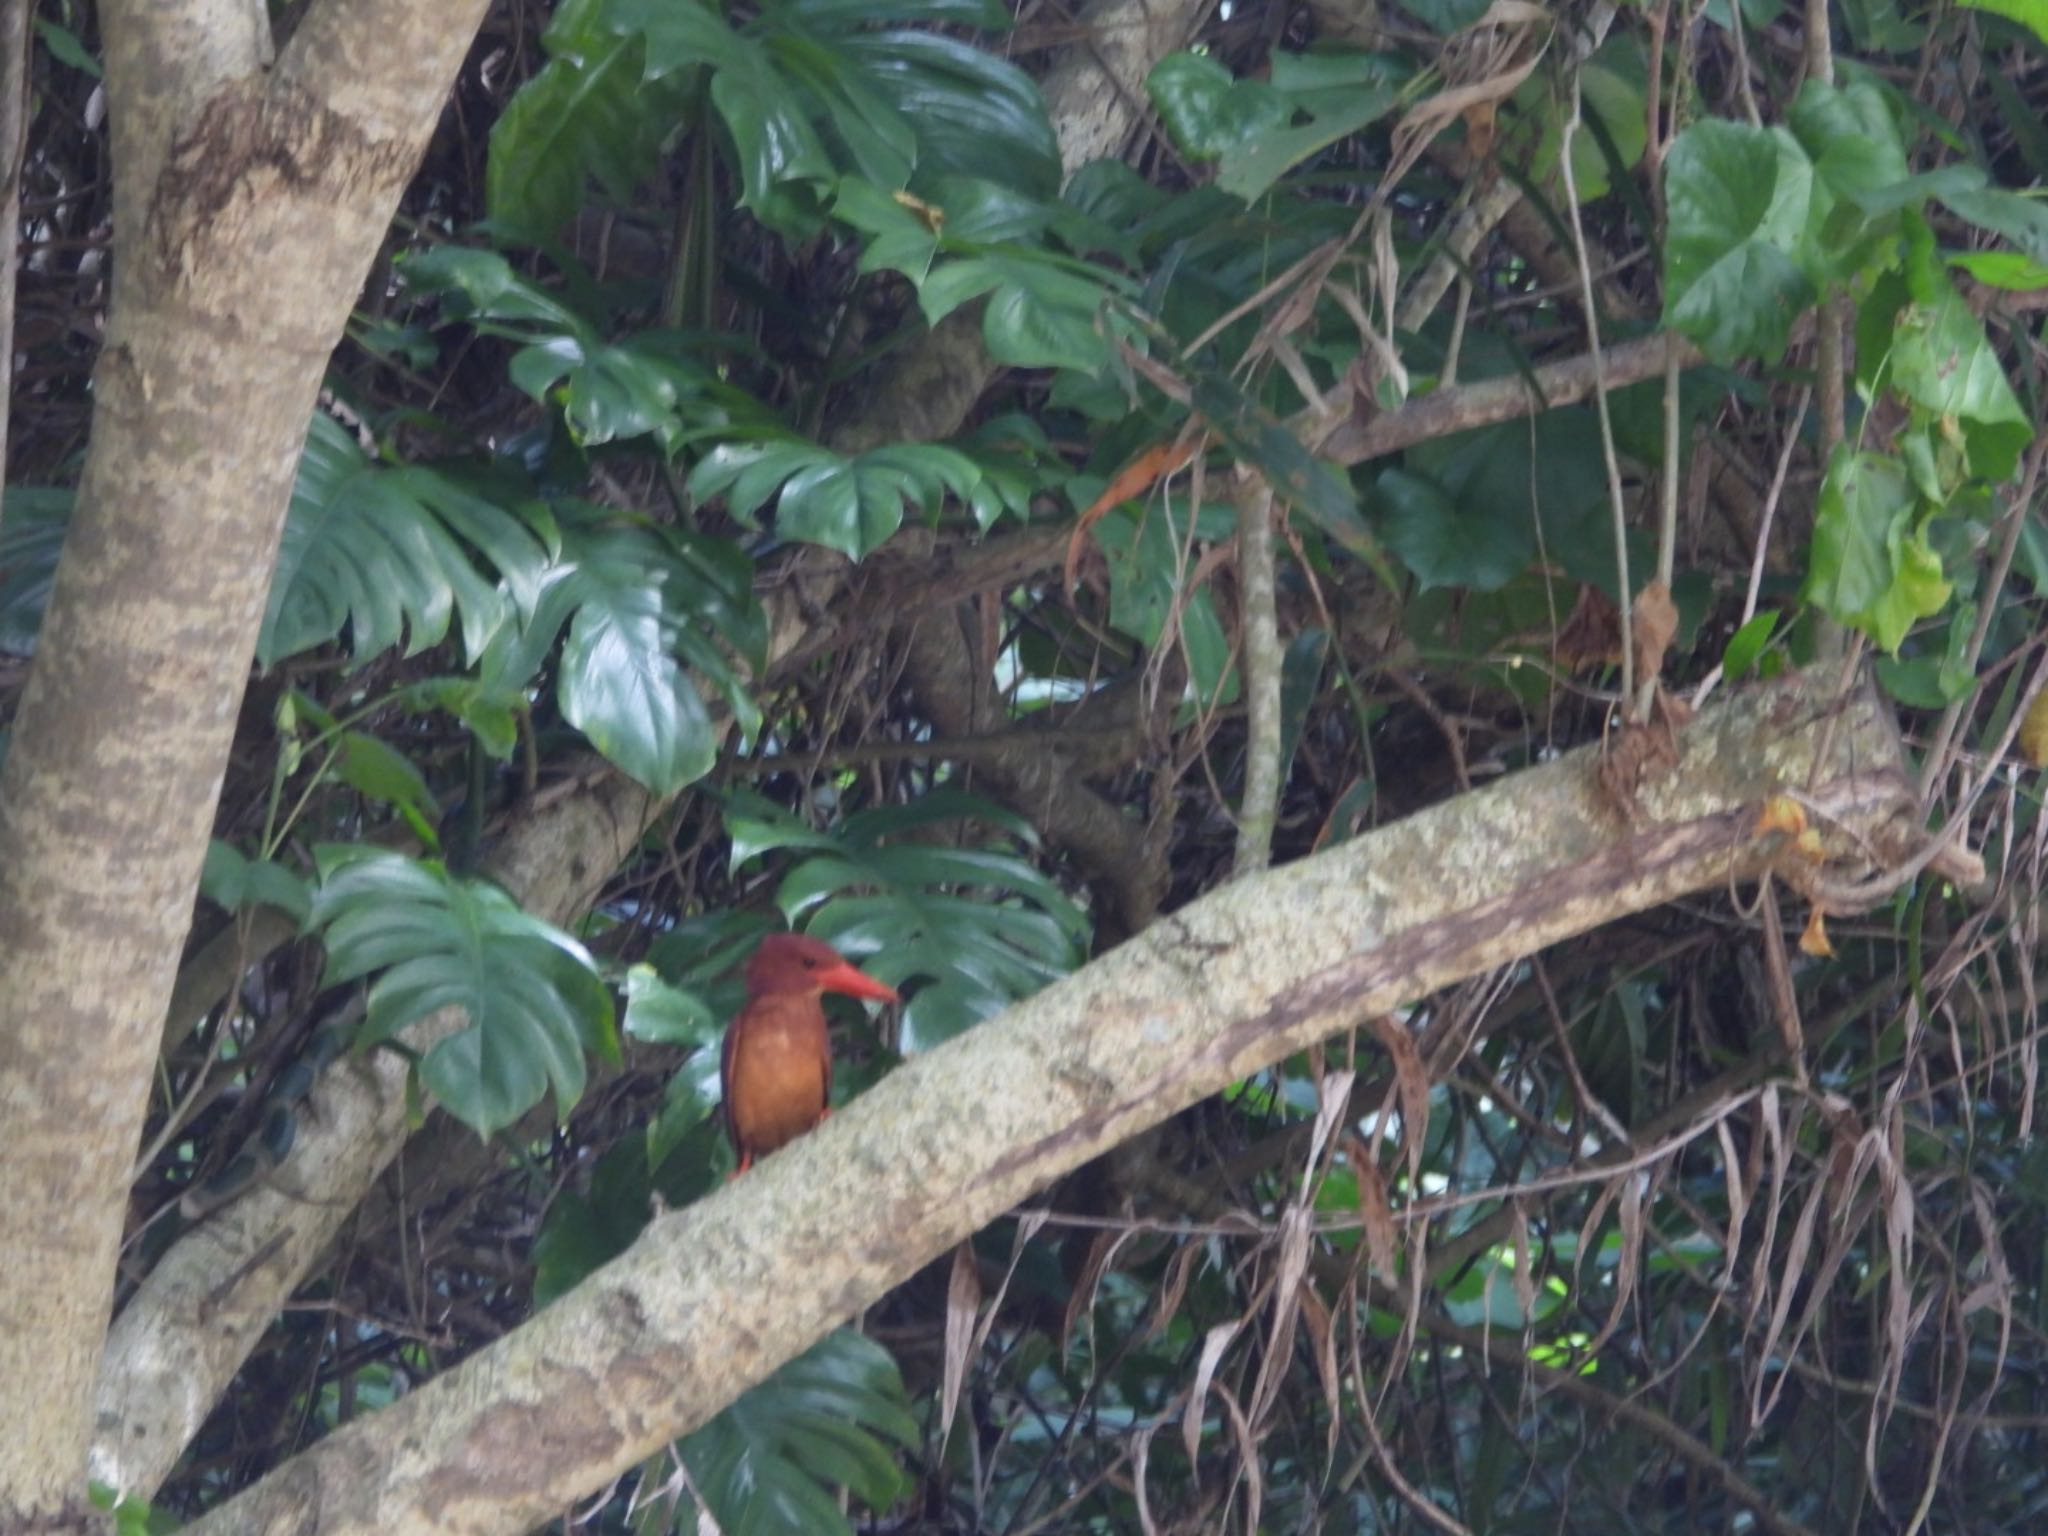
[249, 203]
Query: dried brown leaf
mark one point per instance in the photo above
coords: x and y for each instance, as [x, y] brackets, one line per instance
[1174, 1288]
[1322, 1338]
[1296, 1230]
[1652, 622]
[1813, 940]
[1100, 1252]
[1518, 1243]
[1411, 1077]
[963, 1302]
[1375, 1211]
[1591, 634]
[1214, 1343]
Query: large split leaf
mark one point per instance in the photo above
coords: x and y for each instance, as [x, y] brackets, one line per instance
[978, 923]
[531, 993]
[768, 1464]
[394, 552]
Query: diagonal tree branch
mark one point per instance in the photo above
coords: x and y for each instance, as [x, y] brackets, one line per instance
[714, 1297]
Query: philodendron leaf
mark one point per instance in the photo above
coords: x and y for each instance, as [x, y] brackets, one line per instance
[531, 994]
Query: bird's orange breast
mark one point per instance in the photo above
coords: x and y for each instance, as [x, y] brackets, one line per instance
[778, 1072]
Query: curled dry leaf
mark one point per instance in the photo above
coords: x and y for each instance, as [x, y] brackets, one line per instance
[1214, 1343]
[1100, 1252]
[1375, 1211]
[1322, 1338]
[1814, 940]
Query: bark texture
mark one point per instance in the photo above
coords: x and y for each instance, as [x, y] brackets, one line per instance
[714, 1297]
[249, 203]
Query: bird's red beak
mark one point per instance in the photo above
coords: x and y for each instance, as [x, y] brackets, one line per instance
[848, 981]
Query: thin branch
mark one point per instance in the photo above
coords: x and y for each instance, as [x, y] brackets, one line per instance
[1262, 662]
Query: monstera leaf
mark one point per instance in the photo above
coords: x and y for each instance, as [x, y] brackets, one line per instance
[766, 1466]
[640, 604]
[393, 552]
[978, 925]
[531, 993]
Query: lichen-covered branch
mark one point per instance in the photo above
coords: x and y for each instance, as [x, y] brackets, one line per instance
[715, 1296]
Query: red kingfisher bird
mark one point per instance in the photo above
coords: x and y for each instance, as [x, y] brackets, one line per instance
[776, 1070]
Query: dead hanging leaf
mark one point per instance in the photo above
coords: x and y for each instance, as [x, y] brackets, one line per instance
[1100, 1252]
[1134, 480]
[1297, 1229]
[1411, 1077]
[1322, 1338]
[1591, 636]
[963, 1301]
[1652, 622]
[1480, 119]
[1214, 1343]
[1375, 1211]
[1814, 941]
[1781, 813]
[2033, 738]
[1525, 1281]
[1175, 1287]
[1809, 846]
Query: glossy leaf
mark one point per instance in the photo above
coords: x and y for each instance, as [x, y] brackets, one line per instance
[587, 114]
[665, 1014]
[531, 994]
[640, 604]
[851, 504]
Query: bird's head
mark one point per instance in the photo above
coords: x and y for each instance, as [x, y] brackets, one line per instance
[791, 963]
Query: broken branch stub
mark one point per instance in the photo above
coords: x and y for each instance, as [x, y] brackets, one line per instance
[714, 1297]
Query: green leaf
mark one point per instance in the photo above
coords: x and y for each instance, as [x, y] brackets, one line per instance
[978, 922]
[1871, 566]
[638, 603]
[1447, 545]
[65, 48]
[391, 553]
[851, 504]
[2021, 220]
[2003, 269]
[1852, 137]
[1297, 476]
[530, 992]
[665, 1014]
[1747, 644]
[235, 882]
[974, 114]
[1738, 200]
[766, 1464]
[32, 528]
[1942, 361]
[374, 767]
[2031, 14]
[588, 113]
[1209, 111]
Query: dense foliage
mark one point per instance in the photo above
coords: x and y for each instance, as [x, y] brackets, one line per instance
[1725, 1218]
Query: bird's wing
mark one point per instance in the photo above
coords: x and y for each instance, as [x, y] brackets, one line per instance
[727, 1058]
